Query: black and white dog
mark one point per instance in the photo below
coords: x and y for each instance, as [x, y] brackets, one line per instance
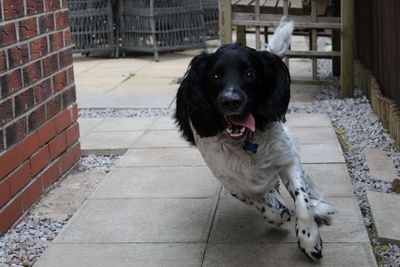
[231, 105]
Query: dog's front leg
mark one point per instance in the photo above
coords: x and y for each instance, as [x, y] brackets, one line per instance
[307, 228]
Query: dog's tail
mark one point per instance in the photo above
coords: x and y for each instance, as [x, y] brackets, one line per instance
[281, 39]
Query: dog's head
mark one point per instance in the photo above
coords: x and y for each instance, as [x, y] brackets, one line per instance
[236, 89]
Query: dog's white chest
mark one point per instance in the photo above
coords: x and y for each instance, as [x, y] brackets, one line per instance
[236, 167]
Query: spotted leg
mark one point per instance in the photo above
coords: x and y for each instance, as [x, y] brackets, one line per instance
[270, 205]
[310, 210]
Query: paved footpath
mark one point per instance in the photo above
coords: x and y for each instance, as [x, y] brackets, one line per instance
[161, 206]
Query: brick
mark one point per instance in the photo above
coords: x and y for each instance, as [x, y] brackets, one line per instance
[16, 132]
[56, 41]
[10, 214]
[36, 118]
[75, 112]
[13, 9]
[51, 174]
[67, 160]
[52, 4]
[60, 80]
[18, 55]
[65, 58]
[19, 178]
[42, 90]
[62, 19]
[8, 34]
[32, 73]
[10, 82]
[57, 145]
[39, 47]
[34, 6]
[40, 159]
[24, 101]
[46, 23]
[3, 61]
[77, 151]
[69, 97]
[28, 146]
[63, 120]
[31, 194]
[53, 106]
[5, 194]
[47, 132]
[72, 134]
[27, 28]
[67, 37]
[50, 65]
[6, 112]
[9, 161]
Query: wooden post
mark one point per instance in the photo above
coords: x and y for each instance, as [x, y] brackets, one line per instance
[241, 34]
[257, 12]
[314, 38]
[225, 21]
[346, 72]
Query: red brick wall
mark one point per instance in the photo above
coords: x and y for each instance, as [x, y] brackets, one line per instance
[38, 129]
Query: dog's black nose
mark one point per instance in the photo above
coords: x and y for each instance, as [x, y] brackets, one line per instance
[231, 102]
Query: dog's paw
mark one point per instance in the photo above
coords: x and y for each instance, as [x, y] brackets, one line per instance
[309, 239]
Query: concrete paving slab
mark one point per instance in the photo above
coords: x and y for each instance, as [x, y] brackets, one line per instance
[314, 135]
[386, 216]
[287, 255]
[304, 93]
[380, 165]
[147, 88]
[162, 157]
[163, 124]
[307, 120]
[160, 139]
[321, 153]
[124, 124]
[159, 182]
[140, 220]
[86, 125]
[123, 255]
[235, 222]
[105, 143]
[95, 88]
[124, 100]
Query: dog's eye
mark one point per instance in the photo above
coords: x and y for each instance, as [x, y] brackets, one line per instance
[251, 74]
[215, 76]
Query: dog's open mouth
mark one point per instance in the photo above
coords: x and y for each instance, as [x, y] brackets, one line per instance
[239, 126]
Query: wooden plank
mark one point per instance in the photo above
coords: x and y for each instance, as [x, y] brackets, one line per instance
[312, 53]
[297, 25]
[225, 21]
[315, 82]
[277, 17]
[347, 71]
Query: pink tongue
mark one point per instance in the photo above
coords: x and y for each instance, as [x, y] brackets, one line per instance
[246, 120]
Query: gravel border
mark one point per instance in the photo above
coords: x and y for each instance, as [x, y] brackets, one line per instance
[23, 244]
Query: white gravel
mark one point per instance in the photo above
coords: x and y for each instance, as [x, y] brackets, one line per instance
[119, 113]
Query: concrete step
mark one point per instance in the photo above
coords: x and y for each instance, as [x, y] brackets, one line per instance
[386, 216]
[380, 165]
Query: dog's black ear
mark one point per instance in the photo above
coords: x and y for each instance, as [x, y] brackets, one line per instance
[192, 104]
[275, 85]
